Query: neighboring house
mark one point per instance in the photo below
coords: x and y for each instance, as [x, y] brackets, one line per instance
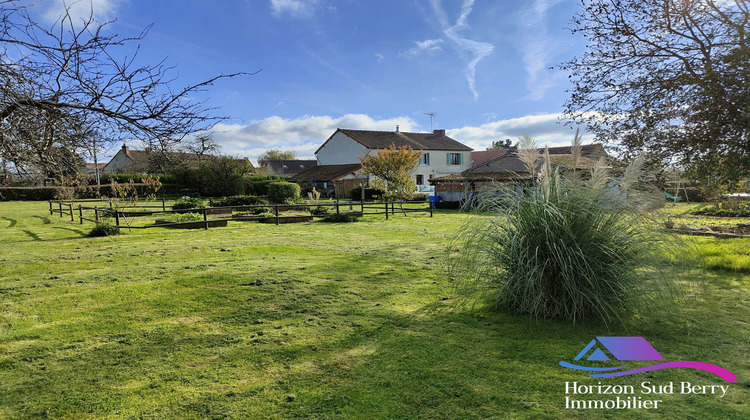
[289, 168]
[127, 160]
[441, 155]
[508, 169]
[91, 167]
[331, 180]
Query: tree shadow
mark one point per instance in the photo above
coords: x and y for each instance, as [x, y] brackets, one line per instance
[45, 219]
[13, 222]
[33, 235]
[79, 232]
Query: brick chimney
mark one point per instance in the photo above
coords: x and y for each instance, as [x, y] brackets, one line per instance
[438, 132]
[125, 148]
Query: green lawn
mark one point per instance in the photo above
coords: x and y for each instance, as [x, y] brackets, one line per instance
[313, 320]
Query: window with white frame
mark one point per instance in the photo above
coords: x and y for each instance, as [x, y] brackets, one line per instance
[425, 159]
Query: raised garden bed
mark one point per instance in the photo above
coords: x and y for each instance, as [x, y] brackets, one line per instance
[286, 219]
[190, 225]
[739, 231]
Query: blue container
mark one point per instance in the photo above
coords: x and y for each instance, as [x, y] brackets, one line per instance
[434, 199]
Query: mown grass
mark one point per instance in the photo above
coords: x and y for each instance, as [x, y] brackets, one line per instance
[310, 320]
[729, 254]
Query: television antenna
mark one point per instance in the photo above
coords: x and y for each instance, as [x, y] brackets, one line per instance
[432, 115]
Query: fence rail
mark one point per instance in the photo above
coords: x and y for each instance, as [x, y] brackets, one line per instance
[121, 215]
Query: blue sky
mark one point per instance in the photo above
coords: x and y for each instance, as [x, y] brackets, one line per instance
[482, 66]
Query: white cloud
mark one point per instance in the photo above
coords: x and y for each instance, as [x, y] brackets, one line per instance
[427, 46]
[294, 8]
[473, 50]
[548, 129]
[303, 135]
[103, 10]
[380, 57]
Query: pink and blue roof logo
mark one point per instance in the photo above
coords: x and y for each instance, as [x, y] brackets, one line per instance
[634, 349]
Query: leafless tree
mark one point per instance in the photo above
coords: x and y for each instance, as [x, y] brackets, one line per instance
[60, 84]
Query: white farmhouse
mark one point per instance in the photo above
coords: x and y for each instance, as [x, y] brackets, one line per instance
[441, 155]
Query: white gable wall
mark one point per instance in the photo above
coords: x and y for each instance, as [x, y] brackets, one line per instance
[120, 162]
[340, 150]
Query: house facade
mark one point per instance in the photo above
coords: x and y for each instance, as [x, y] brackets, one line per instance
[441, 155]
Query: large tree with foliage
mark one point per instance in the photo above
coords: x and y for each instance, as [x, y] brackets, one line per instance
[669, 78]
[65, 85]
[392, 168]
[275, 154]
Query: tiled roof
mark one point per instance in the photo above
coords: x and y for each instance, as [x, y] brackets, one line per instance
[481, 157]
[326, 172]
[436, 140]
[290, 167]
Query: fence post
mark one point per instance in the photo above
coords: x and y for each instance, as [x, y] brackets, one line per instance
[50, 208]
[362, 207]
[430, 210]
[60, 205]
[276, 212]
[80, 214]
[96, 214]
[110, 204]
[386, 210]
[163, 205]
[117, 218]
[205, 218]
[337, 206]
[72, 218]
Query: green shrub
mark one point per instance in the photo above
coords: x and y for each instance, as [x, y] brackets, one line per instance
[717, 212]
[281, 192]
[238, 200]
[103, 229]
[320, 210]
[258, 184]
[340, 218]
[189, 203]
[370, 193]
[188, 217]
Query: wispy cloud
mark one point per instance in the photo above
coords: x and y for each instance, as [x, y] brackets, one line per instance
[537, 47]
[427, 46]
[293, 8]
[472, 50]
[380, 57]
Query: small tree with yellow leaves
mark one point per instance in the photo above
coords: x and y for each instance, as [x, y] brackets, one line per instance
[392, 168]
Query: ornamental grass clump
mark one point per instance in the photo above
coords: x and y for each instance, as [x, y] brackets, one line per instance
[568, 247]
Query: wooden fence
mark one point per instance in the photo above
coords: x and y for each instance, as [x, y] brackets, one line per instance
[220, 215]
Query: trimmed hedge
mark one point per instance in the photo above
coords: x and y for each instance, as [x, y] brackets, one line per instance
[258, 184]
[28, 193]
[281, 192]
